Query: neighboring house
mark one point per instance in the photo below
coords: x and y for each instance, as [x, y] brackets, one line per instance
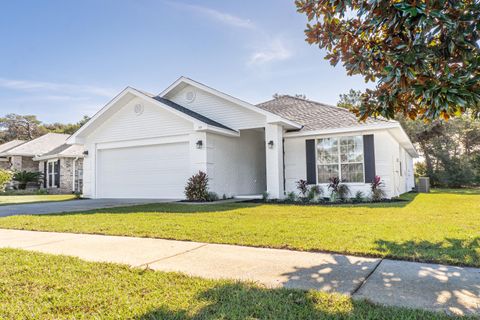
[60, 163]
[4, 159]
[146, 146]
[62, 168]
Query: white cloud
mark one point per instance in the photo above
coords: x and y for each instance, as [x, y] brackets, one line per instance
[223, 17]
[273, 50]
[64, 88]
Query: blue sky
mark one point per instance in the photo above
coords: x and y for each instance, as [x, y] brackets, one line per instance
[63, 59]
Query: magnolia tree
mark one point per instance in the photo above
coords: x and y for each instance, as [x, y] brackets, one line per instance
[423, 55]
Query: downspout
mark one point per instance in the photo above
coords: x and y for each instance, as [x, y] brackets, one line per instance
[74, 169]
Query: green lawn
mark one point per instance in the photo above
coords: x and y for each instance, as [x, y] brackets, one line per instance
[40, 286]
[439, 227]
[17, 199]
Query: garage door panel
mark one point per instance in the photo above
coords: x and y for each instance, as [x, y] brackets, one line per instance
[158, 171]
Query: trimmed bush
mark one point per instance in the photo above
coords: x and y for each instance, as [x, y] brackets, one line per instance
[197, 187]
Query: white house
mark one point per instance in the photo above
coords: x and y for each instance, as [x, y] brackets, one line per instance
[146, 146]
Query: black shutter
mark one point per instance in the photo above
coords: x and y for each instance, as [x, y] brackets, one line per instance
[57, 175]
[369, 157]
[310, 153]
[45, 172]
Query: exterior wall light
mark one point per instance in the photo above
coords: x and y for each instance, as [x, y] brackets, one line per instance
[199, 144]
[85, 153]
[270, 144]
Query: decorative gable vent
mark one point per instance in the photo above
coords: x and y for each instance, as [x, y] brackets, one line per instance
[190, 96]
[138, 109]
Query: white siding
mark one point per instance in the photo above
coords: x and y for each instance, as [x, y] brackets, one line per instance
[218, 109]
[155, 121]
[236, 165]
[386, 155]
[125, 126]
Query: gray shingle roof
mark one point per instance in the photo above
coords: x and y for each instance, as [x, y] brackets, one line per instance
[191, 113]
[314, 115]
[39, 145]
[65, 150]
[10, 145]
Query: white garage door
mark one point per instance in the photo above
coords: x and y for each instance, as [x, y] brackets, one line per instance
[154, 172]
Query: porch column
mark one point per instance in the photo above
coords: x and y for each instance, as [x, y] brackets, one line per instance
[274, 160]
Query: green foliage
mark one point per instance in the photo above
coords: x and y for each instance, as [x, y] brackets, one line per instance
[20, 127]
[359, 196]
[350, 100]
[27, 127]
[314, 193]
[291, 197]
[449, 148]
[265, 196]
[24, 177]
[423, 55]
[42, 286]
[5, 177]
[213, 196]
[197, 187]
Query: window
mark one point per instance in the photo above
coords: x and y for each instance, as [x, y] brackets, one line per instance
[52, 174]
[340, 157]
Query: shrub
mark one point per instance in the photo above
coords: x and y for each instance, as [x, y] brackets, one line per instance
[213, 196]
[314, 192]
[5, 177]
[24, 177]
[302, 186]
[359, 196]
[42, 192]
[376, 187]
[291, 196]
[265, 196]
[338, 190]
[197, 187]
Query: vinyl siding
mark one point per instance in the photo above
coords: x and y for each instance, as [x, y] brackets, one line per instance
[218, 109]
[126, 125]
[386, 165]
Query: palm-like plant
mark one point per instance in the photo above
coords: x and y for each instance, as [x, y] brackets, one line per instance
[24, 177]
[376, 187]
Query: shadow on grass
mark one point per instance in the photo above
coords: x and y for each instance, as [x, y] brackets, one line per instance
[462, 252]
[240, 302]
[177, 207]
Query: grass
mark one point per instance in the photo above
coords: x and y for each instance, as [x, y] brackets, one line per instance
[18, 199]
[41, 286]
[441, 227]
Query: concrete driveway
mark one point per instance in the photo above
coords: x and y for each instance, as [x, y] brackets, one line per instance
[72, 206]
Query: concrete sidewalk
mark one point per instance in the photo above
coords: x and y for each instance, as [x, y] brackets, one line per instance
[399, 283]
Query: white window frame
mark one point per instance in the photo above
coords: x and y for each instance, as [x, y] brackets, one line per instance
[339, 159]
[51, 175]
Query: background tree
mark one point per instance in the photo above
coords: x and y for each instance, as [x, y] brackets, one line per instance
[14, 126]
[28, 127]
[350, 100]
[423, 55]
